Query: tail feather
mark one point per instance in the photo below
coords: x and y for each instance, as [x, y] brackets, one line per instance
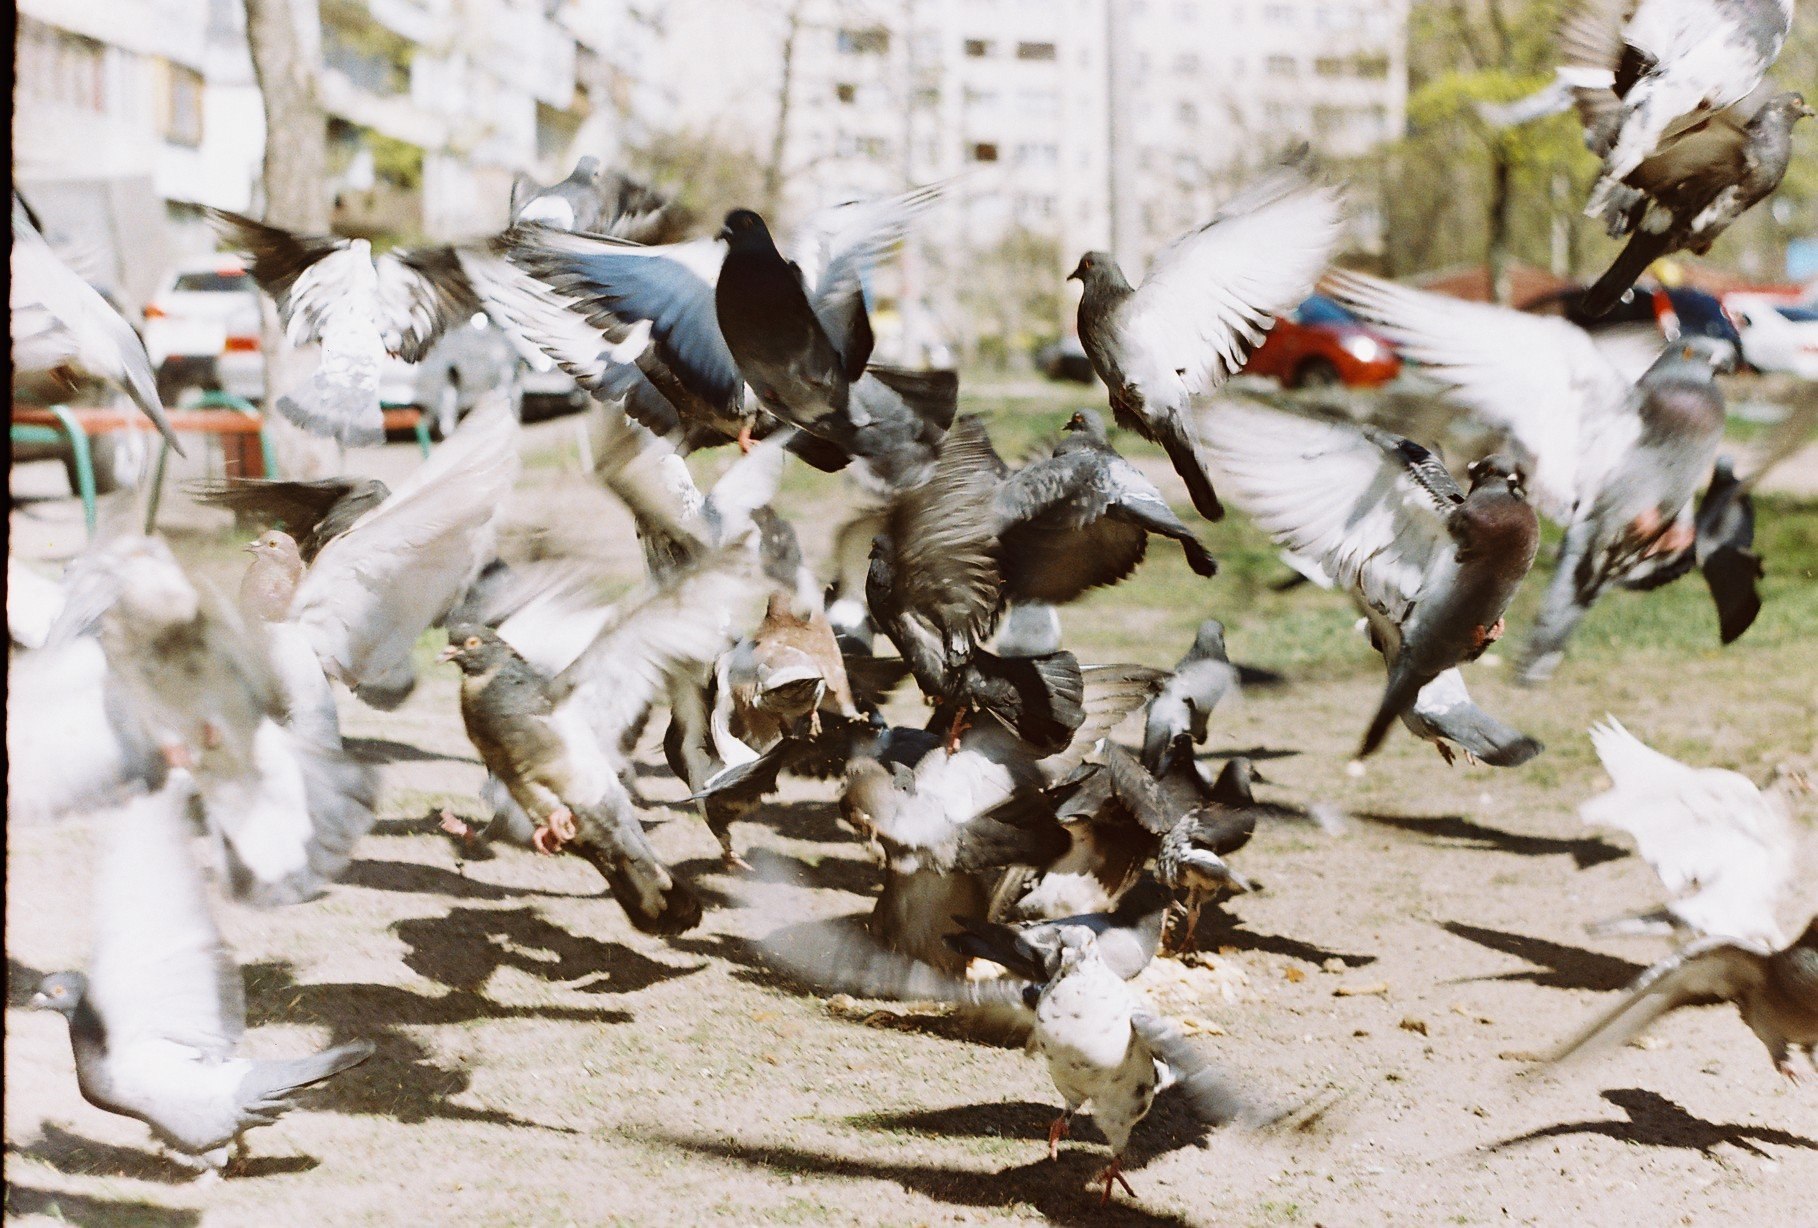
[1643, 249]
[268, 1084]
[654, 899]
[1397, 697]
[1174, 437]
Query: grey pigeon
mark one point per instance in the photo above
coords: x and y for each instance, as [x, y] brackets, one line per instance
[1191, 856]
[1688, 193]
[594, 200]
[1433, 565]
[1210, 297]
[1444, 714]
[1081, 518]
[156, 1020]
[359, 307]
[1613, 459]
[1722, 550]
[311, 513]
[548, 697]
[1663, 63]
[1776, 992]
[60, 323]
[1200, 680]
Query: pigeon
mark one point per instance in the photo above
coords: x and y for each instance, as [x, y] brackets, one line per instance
[1103, 1047]
[1444, 714]
[1200, 680]
[155, 1021]
[312, 514]
[34, 602]
[1685, 196]
[1723, 849]
[1208, 300]
[146, 673]
[1128, 936]
[1028, 629]
[1081, 518]
[1191, 856]
[61, 324]
[799, 336]
[594, 200]
[1663, 63]
[266, 594]
[1775, 990]
[1611, 459]
[1433, 565]
[547, 699]
[359, 307]
[402, 566]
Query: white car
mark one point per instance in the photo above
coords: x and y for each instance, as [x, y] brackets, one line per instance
[1776, 335]
[202, 331]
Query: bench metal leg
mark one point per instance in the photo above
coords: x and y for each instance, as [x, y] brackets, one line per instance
[84, 459]
[157, 489]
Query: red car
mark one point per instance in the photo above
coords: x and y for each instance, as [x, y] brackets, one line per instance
[1320, 345]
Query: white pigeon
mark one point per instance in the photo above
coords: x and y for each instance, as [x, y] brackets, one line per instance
[1723, 848]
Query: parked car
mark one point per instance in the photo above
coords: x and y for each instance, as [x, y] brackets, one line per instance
[1065, 360]
[1674, 312]
[1321, 345]
[1776, 335]
[202, 331]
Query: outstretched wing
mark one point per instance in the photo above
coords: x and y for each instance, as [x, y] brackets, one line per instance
[1711, 968]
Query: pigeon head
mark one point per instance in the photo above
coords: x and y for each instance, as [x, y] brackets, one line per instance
[1791, 107]
[586, 170]
[1498, 467]
[1077, 945]
[1098, 269]
[745, 230]
[270, 582]
[61, 992]
[1087, 422]
[476, 649]
[1209, 640]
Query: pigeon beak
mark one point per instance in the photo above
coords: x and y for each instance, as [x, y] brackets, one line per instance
[1806, 110]
[725, 235]
[449, 653]
[250, 548]
[39, 1001]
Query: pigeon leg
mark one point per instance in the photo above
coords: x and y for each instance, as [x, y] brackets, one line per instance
[177, 756]
[1190, 936]
[1114, 1171]
[558, 829]
[211, 735]
[730, 856]
[454, 826]
[1445, 752]
[745, 437]
[1059, 1129]
[961, 723]
[1483, 637]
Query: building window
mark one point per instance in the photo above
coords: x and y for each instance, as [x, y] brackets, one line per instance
[1186, 64]
[57, 66]
[977, 48]
[872, 41]
[846, 92]
[1035, 51]
[183, 106]
[1329, 66]
[1187, 113]
[984, 151]
[1375, 67]
[1281, 66]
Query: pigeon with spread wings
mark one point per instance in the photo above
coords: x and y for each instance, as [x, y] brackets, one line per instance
[1209, 299]
[1434, 566]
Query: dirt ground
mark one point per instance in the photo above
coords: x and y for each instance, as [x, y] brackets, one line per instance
[539, 1062]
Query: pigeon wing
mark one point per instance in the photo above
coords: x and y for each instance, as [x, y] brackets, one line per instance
[1711, 967]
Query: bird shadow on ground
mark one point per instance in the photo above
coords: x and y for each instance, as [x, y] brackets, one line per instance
[384, 750]
[464, 948]
[21, 983]
[1256, 754]
[803, 820]
[849, 874]
[23, 1200]
[1055, 1189]
[1218, 929]
[401, 1080]
[1585, 851]
[1170, 1125]
[78, 1156]
[1567, 967]
[1655, 1121]
[418, 879]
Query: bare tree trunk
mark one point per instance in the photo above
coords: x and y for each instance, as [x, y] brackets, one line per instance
[779, 140]
[1502, 200]
[285, 37]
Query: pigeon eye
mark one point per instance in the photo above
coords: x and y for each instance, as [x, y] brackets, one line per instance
[473, 641]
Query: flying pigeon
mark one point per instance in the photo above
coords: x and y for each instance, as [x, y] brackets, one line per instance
[155, 1021]
[1200, 680]
[1723, 848]
[267, 591]
[359, 306]
[61, 324]
[1776, 992]
[1209, 299]
[312, 513]
[1612, 459]
[1434, 566]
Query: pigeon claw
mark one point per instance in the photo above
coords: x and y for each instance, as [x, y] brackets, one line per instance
[732, 861]
[745, 438]
[1058, 1129]
[1483, 637]
[558, 829]
[1445, 752]
[1114, 1172]
[448, 822]
[177, 756]
[961, 723]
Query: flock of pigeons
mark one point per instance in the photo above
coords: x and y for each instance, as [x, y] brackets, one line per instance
[1011, 828]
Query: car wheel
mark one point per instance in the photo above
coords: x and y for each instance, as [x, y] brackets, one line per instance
[1317, 373]
[445, 414]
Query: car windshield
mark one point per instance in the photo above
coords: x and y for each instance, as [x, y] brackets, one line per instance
[209, 283]
[1322, 310]
[1799, 315]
